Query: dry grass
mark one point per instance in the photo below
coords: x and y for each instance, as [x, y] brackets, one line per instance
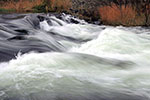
[21, 5]
[120, 15]
[60, 5]
[27, 5]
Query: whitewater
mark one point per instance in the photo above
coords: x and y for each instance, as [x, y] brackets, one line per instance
[60, 57]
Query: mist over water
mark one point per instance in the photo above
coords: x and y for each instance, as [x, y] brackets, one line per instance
[59, 57]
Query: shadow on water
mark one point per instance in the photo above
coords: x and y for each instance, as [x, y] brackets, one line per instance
[21, 32]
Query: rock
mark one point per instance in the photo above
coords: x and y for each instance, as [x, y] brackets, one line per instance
[86, 9]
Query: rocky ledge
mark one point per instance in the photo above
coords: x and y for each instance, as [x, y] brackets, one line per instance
[86, 9]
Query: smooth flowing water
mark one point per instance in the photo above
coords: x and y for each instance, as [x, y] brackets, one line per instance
[59, 57]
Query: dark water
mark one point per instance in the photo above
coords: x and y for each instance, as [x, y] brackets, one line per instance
[21, 33]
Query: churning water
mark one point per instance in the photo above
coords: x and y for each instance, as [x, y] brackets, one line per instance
[47, 57]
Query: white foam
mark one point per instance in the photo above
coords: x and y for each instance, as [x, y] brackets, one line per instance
[117, 43]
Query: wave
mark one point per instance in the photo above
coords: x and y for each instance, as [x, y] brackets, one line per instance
[71, 74]
[59, 57]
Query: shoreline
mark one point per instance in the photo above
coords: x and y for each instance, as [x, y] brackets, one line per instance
[97, 12]
[59, 14]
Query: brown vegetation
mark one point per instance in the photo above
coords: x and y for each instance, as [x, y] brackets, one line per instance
[119, 15]
[27, 5]
[21, 5]
[60, 5]
[112, 12]
[126, 12]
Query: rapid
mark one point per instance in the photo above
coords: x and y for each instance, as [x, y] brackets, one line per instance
[60, 57]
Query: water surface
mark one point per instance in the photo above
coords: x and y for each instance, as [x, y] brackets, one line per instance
[49, 57]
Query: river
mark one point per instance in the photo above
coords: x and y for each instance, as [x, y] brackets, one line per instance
[60, 57]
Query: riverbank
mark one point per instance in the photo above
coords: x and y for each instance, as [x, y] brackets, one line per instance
[107, 12]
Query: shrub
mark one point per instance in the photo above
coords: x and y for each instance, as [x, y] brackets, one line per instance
[120, 15]
[6, 10]
[37, 5]
[39, 8]
[21, 5]
[58, 5]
